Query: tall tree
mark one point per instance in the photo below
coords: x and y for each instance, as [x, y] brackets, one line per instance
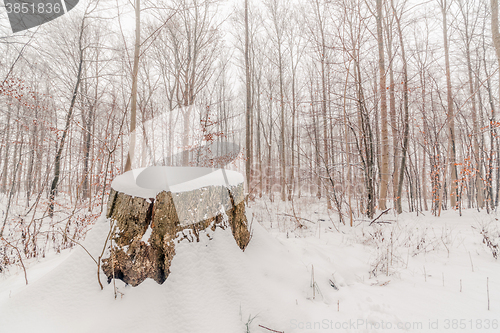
[57, 160]
[465, 11]
[279, 15]
[133, 99]
[392, 105]
[450, 118]
[322, 51]
[384, 172]
[248, 103]
[494, 28]
[406, 124]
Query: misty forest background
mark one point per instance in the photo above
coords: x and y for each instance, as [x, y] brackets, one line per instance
[365, 105]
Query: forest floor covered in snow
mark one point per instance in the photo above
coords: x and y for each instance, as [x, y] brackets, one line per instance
[302, 271]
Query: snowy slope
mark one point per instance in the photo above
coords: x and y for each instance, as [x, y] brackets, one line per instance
[214, 287]
[210, 284]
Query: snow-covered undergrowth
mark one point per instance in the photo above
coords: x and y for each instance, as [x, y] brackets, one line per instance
[31, 234]
[303, 271]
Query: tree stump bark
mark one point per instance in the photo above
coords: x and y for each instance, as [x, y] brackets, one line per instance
[146, 227]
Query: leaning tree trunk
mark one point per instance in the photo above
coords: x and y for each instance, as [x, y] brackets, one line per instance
[148, 223]
[57, 161]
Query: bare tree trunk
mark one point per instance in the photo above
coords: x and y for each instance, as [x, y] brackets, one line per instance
[292, 145]
[30, 176]
[492, 131]
[450, 117]
[496, 42]
[494, 28]
[248, 162]
[269, 174]
[392, 112]
[282, 132]
[260, 153]
[316, 142]
[384, 170]
[406, 124]
[11, 192]
[424, 180]
[365, 148]
[324, 98]
[478, 172]
[6, 152]
[347, 152]
[57, 161]
[135, 71]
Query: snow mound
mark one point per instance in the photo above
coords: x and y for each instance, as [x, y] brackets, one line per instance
[213, 287]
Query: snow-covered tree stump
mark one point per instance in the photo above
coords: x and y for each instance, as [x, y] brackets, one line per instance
[160, 207]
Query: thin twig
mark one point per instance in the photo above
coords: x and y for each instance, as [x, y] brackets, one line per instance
[488, 292]
[102, 253]
[471, 264]
[382, 213]
[298, 217]
[83, 247]
[270, 329]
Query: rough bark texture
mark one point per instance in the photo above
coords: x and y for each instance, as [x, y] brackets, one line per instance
[133, 260]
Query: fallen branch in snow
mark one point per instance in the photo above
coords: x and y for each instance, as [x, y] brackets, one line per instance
[382, 213]
[334, 286]
[295, 215]
[269, 329]
[381, 284]
[298, 217]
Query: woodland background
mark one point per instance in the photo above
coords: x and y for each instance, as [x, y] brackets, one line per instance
[365, 104]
